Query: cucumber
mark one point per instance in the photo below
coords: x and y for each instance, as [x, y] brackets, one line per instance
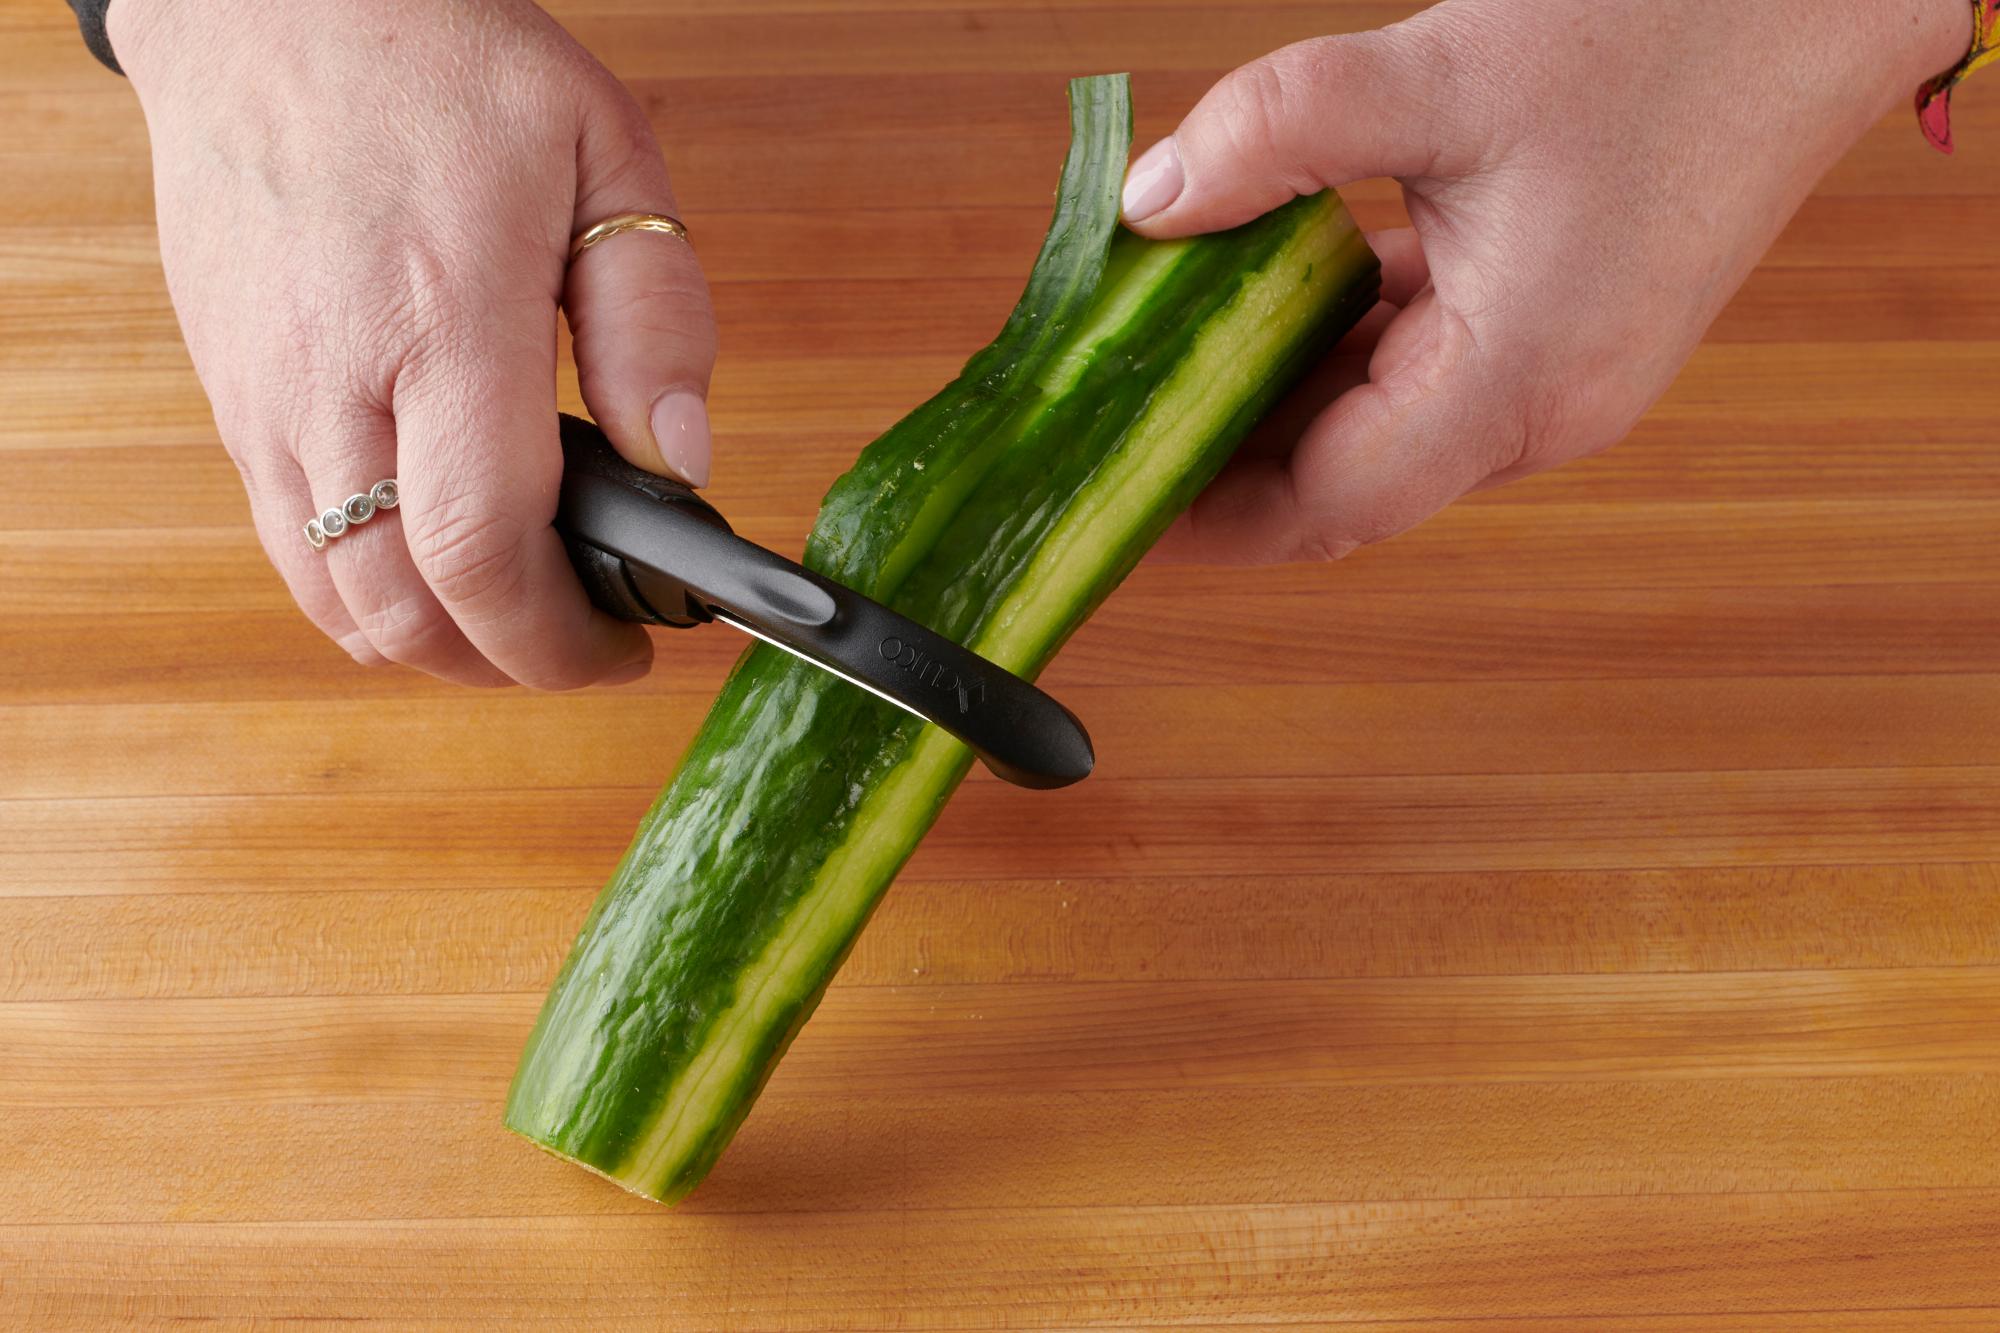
[1000, 513]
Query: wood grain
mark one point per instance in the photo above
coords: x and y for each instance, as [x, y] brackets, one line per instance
[1582, 912]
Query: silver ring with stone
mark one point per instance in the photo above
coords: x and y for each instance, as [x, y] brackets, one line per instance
[352, 513]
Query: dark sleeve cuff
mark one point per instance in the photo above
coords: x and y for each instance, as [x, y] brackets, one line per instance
[90, 18]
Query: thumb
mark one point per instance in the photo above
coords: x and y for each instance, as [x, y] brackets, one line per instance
[638, 306]
[1310, 116]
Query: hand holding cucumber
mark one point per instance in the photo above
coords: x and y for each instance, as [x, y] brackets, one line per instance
[365, 213]
[1590, 182]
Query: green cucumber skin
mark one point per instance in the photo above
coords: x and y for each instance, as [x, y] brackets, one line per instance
[769, 790]
[872, 522]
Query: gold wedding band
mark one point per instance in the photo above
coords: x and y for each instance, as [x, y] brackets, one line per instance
[611, 226]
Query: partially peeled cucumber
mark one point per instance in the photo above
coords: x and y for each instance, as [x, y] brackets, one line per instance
[1001, 513]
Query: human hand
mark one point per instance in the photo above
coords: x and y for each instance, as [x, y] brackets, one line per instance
[1590, 182]
[365, 211]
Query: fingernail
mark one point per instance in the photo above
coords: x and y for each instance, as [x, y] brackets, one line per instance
[628, 673]
[680, 429]
[1153, 182]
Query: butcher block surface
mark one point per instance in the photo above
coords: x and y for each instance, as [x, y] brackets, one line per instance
[1582, 912]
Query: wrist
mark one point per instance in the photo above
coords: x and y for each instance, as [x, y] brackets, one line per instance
[1863, 58]
[1926, 38]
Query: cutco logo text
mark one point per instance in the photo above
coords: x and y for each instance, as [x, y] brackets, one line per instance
[929, 671]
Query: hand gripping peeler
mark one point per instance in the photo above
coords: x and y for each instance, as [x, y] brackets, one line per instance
[650, 550]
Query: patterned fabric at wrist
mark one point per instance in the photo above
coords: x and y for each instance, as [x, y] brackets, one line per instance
[1934, 98]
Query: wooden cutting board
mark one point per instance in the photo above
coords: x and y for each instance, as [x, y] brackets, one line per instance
[1583, 912]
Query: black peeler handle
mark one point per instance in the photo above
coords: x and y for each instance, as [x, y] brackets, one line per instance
[650, 550]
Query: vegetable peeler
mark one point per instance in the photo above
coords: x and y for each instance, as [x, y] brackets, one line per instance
[650, 550]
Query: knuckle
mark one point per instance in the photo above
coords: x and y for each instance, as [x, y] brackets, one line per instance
[1394, 514]
[337, 445]
[1251, 100]
[1318, 547]
[1570, 405]
[1267, 107]
[668, 305]
[630, 119]
[1319, 62]
[1470, 98]
[411, 631]
[1438, 42]
[248, 458]
[622, 154]
[358, 647]
[316, 598]
[424, 304]
[558, 676]
[471, 556]
[311, 356]
[1542, 426]
[323, 607]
